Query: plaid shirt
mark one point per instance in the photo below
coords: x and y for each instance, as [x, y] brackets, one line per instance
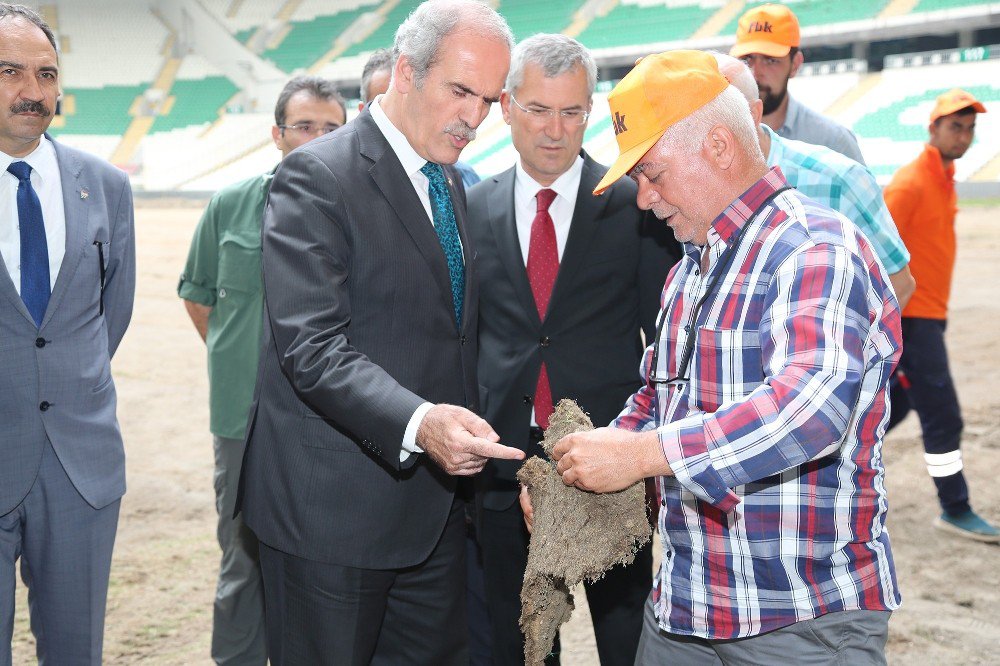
[777, 508]
[842, 184]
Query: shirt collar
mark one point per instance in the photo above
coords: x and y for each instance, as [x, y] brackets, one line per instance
[791, 114]
[42, 159]
[932, 159]
[408, 157]
[745, 207]
[566, 185]
[776, 151]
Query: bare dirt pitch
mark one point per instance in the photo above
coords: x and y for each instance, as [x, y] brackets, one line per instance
[163, 576]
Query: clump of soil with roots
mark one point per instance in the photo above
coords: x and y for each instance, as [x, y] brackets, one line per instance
[577, 536]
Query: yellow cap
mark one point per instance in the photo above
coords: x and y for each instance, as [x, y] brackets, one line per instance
[771, 30]
[954, 100]
[659, 91]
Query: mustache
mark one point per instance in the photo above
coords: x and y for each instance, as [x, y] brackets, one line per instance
[461, 129]
[30, 107]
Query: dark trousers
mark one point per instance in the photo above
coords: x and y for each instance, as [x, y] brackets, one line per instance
[319, 613]
[616, 601]
[64, 546]
[927, 388]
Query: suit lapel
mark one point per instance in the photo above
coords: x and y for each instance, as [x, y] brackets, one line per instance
[395, 186]
[586, 220]
[76, 212]
[500, 209]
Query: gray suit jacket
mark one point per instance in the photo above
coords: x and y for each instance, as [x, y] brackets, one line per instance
[610, 278]
[56, 381]
[359, 330]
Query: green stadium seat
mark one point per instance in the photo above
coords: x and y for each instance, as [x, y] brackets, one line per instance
[196, 102]
[308, 41]
[629, 24]
[383, 35]
[100, 110]
[884, 123]
[823, 12]
[529, 17]
[931, 5]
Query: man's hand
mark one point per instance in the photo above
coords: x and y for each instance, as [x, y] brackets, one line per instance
[608, 459]
[459, 441]
[529, 511]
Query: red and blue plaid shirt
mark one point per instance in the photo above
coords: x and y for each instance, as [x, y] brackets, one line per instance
[776, 510]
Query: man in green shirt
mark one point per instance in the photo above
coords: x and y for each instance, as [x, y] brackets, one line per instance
[221, 288]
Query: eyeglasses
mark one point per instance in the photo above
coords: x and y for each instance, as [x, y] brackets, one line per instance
[309, 128]
[542, 115]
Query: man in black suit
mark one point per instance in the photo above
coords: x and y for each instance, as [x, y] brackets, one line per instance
[365, 399]
[568, 281]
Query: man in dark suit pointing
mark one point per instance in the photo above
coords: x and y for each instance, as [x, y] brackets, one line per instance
[568, 280]
[367, 386]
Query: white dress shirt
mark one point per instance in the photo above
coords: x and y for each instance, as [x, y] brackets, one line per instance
[412, 163]
[47, 183]
[561, 210]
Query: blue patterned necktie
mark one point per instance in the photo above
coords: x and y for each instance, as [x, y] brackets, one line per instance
[35, 286]
[447, 231]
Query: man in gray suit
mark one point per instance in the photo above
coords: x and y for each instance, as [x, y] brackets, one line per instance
[67, 283]
[568, 281]
[365, 399]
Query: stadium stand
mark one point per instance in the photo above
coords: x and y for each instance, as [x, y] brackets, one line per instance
[168, 105]
[529, 17]
[823, 12]
[645, 22]
[308, 40]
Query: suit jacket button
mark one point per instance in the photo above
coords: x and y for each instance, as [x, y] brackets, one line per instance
[463, 340]
[44, 406]
[544, 341]
[527, 399]
[39, 342]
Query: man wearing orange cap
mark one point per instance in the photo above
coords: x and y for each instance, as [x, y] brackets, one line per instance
[923, 203]
[765, 396]
[767, 40]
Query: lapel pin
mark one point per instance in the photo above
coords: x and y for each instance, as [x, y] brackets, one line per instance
[451, 183]
[84, 193]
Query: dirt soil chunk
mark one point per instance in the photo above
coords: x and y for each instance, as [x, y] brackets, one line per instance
[577, 536]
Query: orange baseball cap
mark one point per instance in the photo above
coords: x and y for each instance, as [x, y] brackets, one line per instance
[659, 91]
[771, 30]
[954, 100]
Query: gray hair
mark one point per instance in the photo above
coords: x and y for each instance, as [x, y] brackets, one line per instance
[738, 75]
[419, 37]
[315, 86]
[379, 61]
[8, 10]
[555, 54]
[728, 109]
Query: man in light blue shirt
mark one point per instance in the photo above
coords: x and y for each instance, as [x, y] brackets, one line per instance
[831, 179]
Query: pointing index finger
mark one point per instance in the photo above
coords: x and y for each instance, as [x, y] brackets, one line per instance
[488, 449]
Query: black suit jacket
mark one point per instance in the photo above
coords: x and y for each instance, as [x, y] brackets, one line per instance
[359, 331]
[610, 277]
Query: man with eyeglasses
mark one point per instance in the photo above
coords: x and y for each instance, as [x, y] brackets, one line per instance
[568, 282]
[221, 288]
[767, 40]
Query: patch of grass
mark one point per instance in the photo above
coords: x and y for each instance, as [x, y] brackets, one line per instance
[979, 202]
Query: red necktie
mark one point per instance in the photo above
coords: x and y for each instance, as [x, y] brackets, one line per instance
[543, 265]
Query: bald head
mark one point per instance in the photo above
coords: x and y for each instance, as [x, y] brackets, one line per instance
[739, 76]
